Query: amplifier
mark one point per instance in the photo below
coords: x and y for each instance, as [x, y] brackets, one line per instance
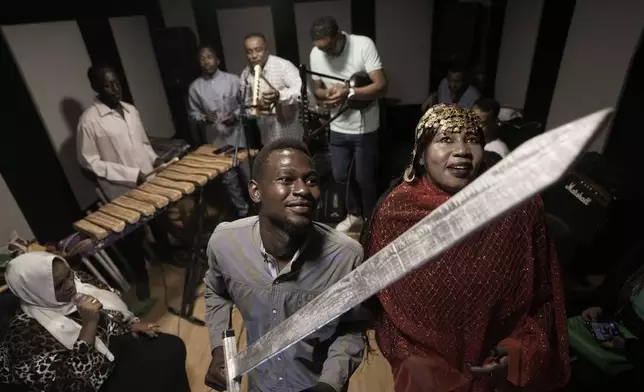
[582, 204]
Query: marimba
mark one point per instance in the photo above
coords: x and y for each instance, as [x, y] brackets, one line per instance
[173, 183]
[126, 213]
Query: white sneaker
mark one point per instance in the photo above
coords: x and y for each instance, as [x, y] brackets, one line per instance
[349, 222]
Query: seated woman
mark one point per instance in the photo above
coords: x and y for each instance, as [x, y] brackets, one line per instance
[619, 299]
[73, 336]
[486, 315]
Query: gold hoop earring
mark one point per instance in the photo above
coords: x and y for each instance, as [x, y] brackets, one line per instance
[409, 175]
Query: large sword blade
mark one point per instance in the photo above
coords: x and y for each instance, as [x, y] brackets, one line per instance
[532, 167]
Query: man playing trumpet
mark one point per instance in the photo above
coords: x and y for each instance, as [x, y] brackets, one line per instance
[273, 98]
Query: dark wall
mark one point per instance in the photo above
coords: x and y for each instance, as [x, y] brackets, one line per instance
[551, 41]
[471, 33]
[283, 11]
[29, 163]
[626, 137]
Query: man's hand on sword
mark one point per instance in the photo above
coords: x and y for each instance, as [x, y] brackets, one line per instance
[216, 375]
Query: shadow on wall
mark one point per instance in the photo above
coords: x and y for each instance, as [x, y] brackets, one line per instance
[72, 110]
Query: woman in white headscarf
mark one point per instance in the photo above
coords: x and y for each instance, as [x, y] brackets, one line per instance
[73, 336]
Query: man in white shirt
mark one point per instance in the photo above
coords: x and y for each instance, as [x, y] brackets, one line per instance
[279, 90]
[487, 109]
[455, 88]
[354, 134]
[214, 105]
[112, 144]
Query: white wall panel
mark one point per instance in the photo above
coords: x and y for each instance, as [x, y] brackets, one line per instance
[235, 24]
[53, 61]
[601, 42]
[403, 39]
[11, 218]
[178, 13]
[143, 76]
[520, 31]
[306, 13]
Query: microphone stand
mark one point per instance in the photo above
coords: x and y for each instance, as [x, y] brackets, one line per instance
[305, 118]
[304, 72]
[241, 128]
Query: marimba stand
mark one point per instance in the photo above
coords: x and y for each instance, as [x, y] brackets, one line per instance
[198, 266]
[196, 270]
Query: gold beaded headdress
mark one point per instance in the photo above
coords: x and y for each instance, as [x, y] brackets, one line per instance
[440, 118]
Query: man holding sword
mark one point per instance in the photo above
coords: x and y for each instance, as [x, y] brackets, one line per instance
[272, 265]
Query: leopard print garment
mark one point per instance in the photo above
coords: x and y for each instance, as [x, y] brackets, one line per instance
[30, 356]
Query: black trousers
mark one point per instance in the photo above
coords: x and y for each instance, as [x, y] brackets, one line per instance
[132, 249]
[132, 245]
[145, 364]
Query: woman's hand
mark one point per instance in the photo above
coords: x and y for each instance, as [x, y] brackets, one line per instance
[497, 367]
[592, 314]
[88, 308]
[151, 330]
[617, 343]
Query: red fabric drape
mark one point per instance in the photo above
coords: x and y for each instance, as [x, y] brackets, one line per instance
[501, 285]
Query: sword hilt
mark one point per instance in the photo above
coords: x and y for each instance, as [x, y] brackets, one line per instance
[230, 352]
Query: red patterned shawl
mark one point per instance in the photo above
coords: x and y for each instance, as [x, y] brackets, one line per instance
[502, 285]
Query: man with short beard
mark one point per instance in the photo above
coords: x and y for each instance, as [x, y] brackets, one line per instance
[271, 265]
[279, 90]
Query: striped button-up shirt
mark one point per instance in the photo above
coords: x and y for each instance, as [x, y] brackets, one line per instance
[285, 78]
[239, 274]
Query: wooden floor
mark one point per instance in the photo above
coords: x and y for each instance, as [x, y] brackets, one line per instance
[374, 375]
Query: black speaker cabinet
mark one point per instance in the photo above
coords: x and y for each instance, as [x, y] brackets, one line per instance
[581, 204]
[591, 207]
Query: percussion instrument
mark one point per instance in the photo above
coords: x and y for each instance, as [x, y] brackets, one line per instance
[358, 79]
[173, 181]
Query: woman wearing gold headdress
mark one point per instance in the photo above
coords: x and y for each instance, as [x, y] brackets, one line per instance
[489, 313]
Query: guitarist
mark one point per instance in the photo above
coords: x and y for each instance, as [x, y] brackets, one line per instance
[354, 136]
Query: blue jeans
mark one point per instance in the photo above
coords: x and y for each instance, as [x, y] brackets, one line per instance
[363, 150]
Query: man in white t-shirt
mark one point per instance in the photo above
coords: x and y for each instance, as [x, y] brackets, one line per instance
[354, 135]
[487, 109]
